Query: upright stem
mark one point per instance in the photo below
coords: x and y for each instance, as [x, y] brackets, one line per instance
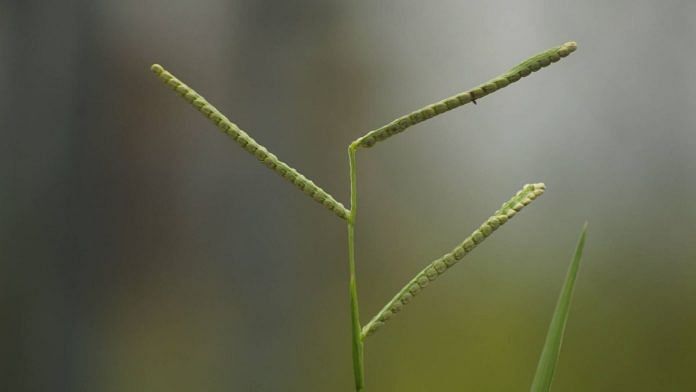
[358, 367]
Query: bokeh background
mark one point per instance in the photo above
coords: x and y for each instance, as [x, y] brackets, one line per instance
[142, 250]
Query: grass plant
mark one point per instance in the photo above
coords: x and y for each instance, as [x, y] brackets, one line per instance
[432, 271]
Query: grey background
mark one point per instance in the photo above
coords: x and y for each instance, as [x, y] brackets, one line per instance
[140, 249]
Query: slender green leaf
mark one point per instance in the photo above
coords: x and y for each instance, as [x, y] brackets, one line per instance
[552, 347]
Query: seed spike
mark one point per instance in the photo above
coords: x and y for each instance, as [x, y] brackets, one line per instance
[525, 68]
[438, 267]
[249, 144]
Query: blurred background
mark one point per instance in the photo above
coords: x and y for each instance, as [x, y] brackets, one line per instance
[143, 250]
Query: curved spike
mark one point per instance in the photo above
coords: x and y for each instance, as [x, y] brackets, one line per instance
[525, 68]
[438, 267]
[249, 144]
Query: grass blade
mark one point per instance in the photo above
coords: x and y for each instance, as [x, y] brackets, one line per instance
[554, 338]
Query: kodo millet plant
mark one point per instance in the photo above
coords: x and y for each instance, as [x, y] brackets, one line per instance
[549, 356]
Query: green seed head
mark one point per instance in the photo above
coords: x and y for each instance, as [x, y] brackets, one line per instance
[439, 266]
[249, 144]
[525, 68]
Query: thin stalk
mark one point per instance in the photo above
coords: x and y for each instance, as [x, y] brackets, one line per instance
[358, 366]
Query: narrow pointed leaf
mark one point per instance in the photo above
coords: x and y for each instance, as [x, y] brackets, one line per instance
[554, 338]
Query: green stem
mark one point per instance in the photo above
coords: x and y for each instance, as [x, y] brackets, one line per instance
[358, 367]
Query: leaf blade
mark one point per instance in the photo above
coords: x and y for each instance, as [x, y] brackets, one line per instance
[554, 337]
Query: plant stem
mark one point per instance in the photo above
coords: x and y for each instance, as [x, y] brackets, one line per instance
[358, 367]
